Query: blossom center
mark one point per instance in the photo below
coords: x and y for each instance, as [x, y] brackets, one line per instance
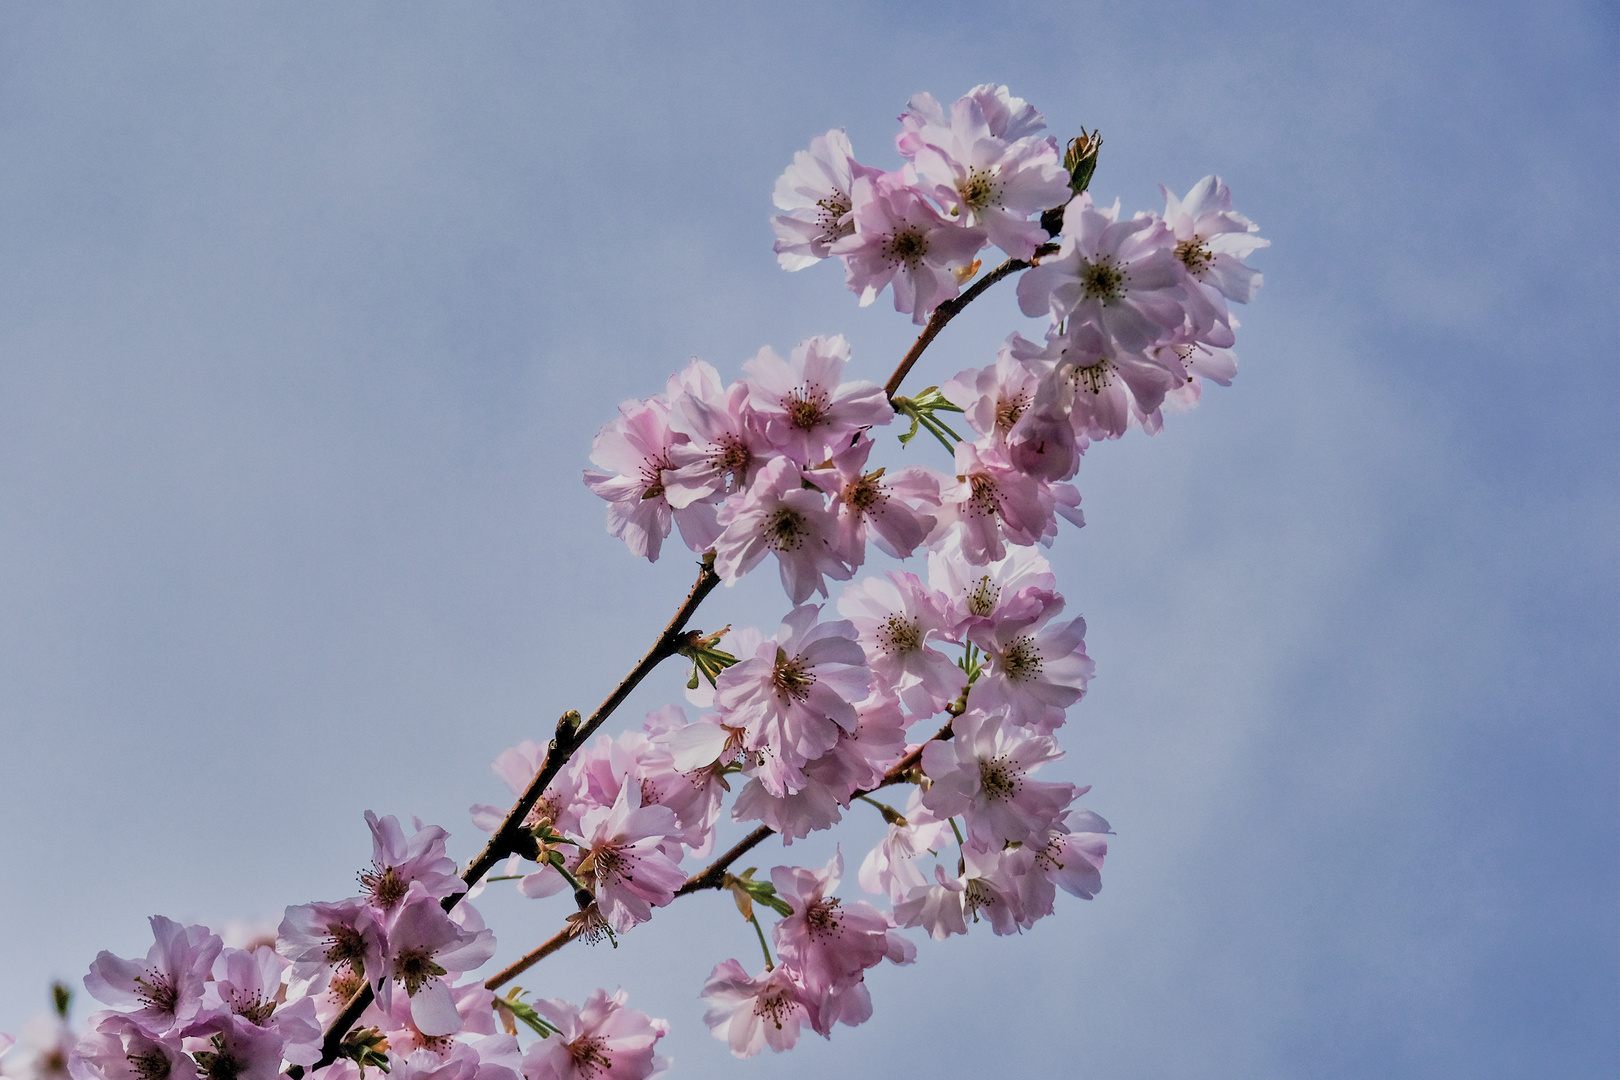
[733, 458]
[1094, 377]
[900, 635]
[413, 967]
[806, 407]
[1102, 281]
[785, 530]
[1021, 660]
[985, 499]
[386, 887]
[589, 1055]
[1194, 255]
[981, 599]
[977, 895]
[978, 190]
[998, 778]
[1009, 409]
[821, 919]
[830, 213]
[343, 986]
[773, 1007]
[251, 1007]
[152, 1065]
[863, 494]
[791, 678]
[908, 247]
[157, 991]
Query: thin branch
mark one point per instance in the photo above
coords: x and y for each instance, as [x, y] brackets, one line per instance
[532, 957]
[949, 309]
[506, 839]
[511, 837]
[712, 876]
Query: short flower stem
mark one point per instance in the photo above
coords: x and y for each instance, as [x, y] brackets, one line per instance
[959, 841]
[890, 814]
[770, 965]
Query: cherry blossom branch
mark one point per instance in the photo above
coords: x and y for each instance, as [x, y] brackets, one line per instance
[712, 876]
[511, 837]
[948, 311]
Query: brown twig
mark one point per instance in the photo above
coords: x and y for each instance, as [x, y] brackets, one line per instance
[509, 838]
[949, 310]
[712, 876]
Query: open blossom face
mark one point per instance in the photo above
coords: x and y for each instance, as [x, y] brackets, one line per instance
[984, 774]
[750, 1013]
[807, 411]
[624, 859]
[1212, 239]
[117, 1048]
[815, 192]
[1037, 667]
[397, 863]
[991, 181]
[600, 1040]
[900, 621]
[1120, 275]
[424, 946]
[781, 516]
[164, 991]
[901, 241]
[794, 695]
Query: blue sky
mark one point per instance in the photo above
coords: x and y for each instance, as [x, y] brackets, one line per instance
[308, 314]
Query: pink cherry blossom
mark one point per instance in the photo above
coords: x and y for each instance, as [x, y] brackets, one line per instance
[828, 942]
[1212, 240]
[994, 398]
[895, 510]
[990, 181]
[900, 620]
[1073, 855]
[983, 773]
[424, 946]
[115, 1047]
[752, 1012]
[1035, 667]
[398, 863]
[782, 516]
[794, 694]
[807, 411]
[815, 192]
[890, 869]
[231, 1047]
[165, 991]
[474, 1004]
[1121, 275]
[901, 240]
[344, 936]
[631, 454]
[623, 861]
[1013, 587]
[858, 760]
[600, 1040]
[1100, 387]
[1006, 116]
[725, 443]
[993, 502]
[249, 985]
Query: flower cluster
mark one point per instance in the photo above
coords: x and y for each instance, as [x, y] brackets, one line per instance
[822, 713]
[951, 677]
